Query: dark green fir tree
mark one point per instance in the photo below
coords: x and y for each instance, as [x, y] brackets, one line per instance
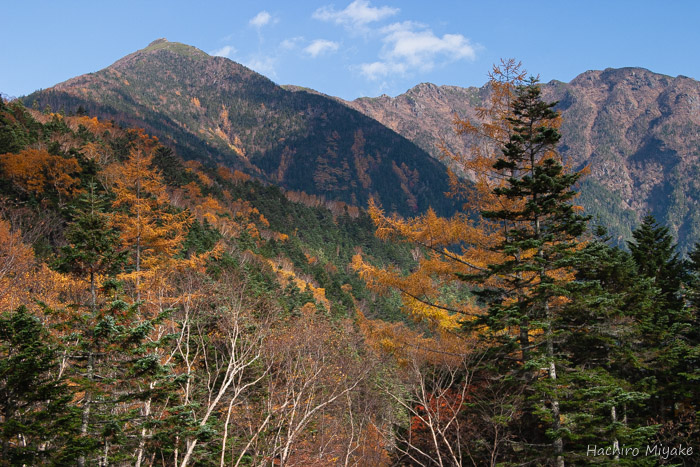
[602, 404]
[38, 422]
[665, 347]
[109, 346]
[93, 245]
[654, 252]
[542, 230]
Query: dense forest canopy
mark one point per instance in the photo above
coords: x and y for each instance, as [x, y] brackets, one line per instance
[157, 311]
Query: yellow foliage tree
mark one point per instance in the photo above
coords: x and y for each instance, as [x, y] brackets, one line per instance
[515, 239]
[24, 281]
[16, 265]
[460, 245]
[35, 170]
[148, 224]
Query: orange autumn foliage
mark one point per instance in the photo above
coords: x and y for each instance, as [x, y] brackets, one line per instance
[16, 265]
[235, 176]
[406, 345]
[92, 124]
[23, 280]
[459, 246]
[148, 224]
[35, 171]
[193, 191]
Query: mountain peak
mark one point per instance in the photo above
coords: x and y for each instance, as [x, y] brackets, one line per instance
[175, 47]
[220, 112]
[162, 40]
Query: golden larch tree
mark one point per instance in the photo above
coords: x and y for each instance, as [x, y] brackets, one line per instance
[148, 224]
[462, 245]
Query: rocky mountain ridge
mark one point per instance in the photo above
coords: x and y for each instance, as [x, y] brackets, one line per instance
[637, 131]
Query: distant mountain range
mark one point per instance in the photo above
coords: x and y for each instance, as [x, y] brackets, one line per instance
[637, 131]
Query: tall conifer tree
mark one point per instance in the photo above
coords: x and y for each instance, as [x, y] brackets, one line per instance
[654, 252]
[93, 243]
[541, 228]
[38, 423]
[669, 345]
[600, 398]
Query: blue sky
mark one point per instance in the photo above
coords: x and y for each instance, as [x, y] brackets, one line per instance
[354, 48]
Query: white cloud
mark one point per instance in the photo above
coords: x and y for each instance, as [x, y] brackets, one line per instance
[422, 47]
[225, 51]
[321, 46]
[262, 64]
[261, 19]
[358, 13]
[291, 43]
[376, 70]
[411, 46]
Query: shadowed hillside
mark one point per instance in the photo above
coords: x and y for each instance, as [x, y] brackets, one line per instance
[217, 111]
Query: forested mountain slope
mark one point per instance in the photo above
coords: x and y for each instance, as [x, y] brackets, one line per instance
[218, 111]
[637, 131]
[151, 306]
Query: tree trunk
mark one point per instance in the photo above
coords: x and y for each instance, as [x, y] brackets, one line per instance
[558, 443]
[86, 409]
[105, 458]
[142, 441]
[616, 443]
[525, 339]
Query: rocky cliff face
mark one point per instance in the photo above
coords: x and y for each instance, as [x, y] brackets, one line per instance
[424, 114]
[637, 131]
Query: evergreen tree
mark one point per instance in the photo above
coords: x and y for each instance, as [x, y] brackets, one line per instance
[599, 328]
[654, 252]
[110, 347]
[693, 278]
[93, 243]
[667, 346]
[13, 137]
[113, 362]
[691, 335]
[541, 237]
[37, 421]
